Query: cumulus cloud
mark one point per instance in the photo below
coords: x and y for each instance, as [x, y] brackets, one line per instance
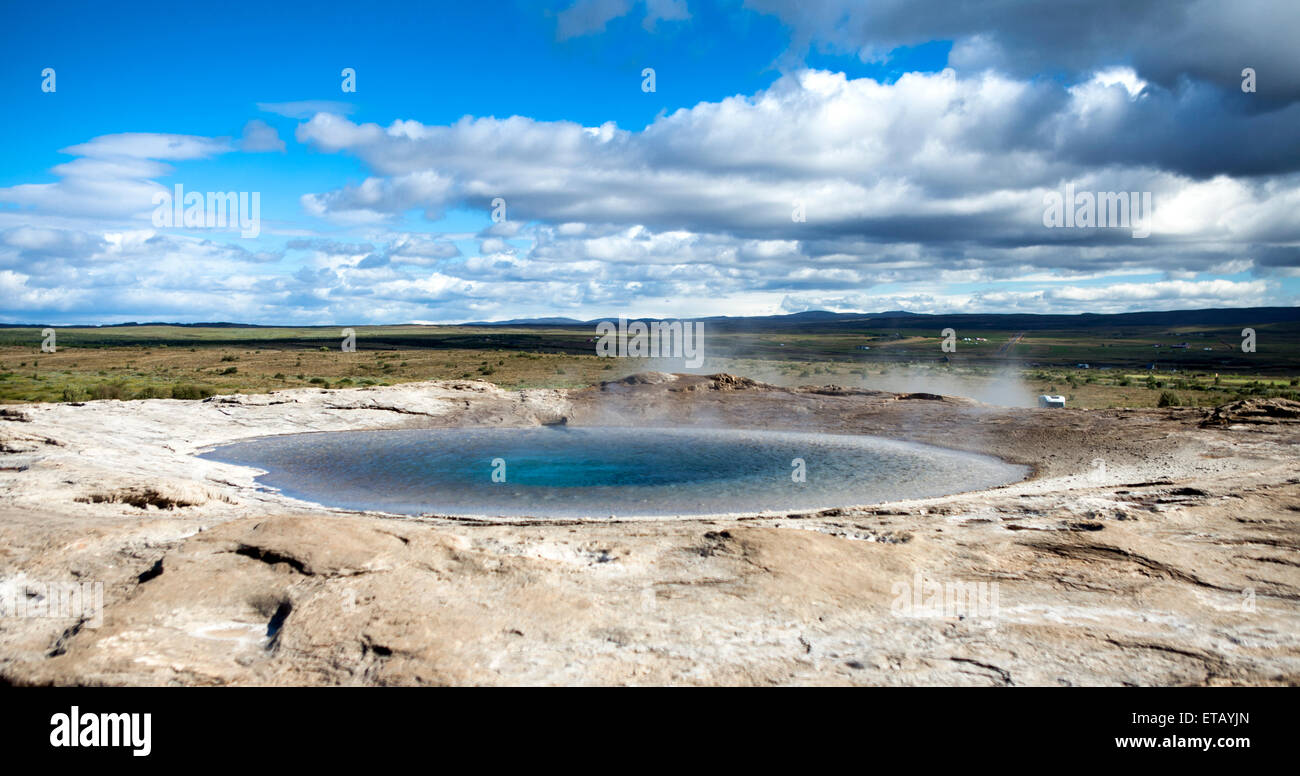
[113, 176]
[260, 136]
[304, 109]
[957, 166]
[934, 179]
[821, 191]
[75, 276]
[664, 10]
[1056, 299]
[1166, 42]
[149, 145]
[380, 199]
[587, 17]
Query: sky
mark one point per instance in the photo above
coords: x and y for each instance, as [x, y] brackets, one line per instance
[789, 155]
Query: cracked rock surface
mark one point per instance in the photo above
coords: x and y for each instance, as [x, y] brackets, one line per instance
[1152, 547]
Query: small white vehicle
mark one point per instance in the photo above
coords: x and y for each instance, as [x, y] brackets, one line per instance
[1051, 401]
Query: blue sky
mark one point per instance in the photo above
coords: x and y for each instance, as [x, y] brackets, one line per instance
[918, 154]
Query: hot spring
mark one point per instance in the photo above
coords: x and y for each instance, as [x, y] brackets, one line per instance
[600, 472]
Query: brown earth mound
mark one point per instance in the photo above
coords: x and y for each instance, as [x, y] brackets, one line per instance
[1254, 411]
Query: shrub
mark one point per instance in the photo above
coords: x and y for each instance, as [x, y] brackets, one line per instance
[191, 392]
[230, 370]
[1169, 399]
[108, 391]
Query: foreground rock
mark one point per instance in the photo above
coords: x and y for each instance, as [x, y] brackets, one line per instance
[1148, 550]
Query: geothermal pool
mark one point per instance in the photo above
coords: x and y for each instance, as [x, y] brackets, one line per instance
[602, 472]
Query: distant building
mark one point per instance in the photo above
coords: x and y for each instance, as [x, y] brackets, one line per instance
[1051, 401]
[1081, 366]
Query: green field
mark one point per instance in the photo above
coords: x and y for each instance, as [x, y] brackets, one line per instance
[1125, 368]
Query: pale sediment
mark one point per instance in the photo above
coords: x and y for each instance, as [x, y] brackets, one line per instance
[1153, 547]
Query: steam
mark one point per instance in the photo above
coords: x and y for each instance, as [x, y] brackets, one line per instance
[1001, 386]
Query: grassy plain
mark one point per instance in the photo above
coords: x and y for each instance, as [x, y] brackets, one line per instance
[1137, 367]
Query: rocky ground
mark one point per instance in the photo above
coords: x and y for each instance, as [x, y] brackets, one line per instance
[1152, 547]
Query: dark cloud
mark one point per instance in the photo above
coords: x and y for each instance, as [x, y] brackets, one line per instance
[1166, 41]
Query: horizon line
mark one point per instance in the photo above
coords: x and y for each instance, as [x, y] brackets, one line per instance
[558, 320]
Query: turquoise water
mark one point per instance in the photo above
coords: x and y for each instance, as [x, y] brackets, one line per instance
[598, 472]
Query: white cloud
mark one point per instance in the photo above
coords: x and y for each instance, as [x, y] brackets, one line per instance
[113, 177]
[304, 109]
[910, 190]
[150, 145]
[959, 164]
[1055, 299]
[260, 136]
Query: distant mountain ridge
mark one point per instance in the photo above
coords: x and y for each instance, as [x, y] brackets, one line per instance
[818, 321]
[529, 322]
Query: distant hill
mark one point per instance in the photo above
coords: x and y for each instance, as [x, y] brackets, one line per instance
[529, 322]
[825, 322]
[817, 321]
